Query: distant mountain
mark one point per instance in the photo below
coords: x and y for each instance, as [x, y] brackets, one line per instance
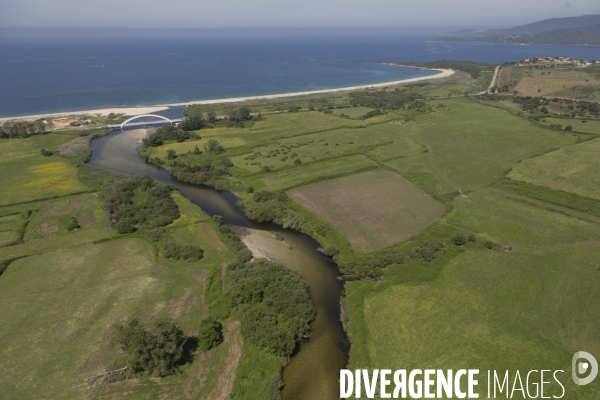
[547, 25]
[583, 30]
[589, 35]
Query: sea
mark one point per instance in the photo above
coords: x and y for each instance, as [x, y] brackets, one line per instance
[46, 75]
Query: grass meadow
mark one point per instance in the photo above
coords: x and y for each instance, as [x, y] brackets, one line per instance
[529, 308]
[390, 210]
[27, 177]
[572, 168]
[63, 290]
[578, 124]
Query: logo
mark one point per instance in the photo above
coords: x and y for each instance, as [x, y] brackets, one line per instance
[582, 367]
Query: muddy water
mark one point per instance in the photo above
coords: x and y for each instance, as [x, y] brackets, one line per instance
[313, 372]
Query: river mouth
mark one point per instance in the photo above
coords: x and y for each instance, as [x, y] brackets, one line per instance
[313, 371]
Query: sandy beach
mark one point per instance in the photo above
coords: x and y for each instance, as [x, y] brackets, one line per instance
[443, 73]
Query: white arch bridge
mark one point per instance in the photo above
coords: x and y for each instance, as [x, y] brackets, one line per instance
[161, 120]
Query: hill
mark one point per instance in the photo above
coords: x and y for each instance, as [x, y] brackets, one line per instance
[546, 25]
[552, 24]
[584, 30]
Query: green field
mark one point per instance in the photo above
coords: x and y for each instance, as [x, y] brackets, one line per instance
[388, 210]
[64, 290]
[26, 177]
[57, 308]
[572, 169]
[488, 309]
[590, 126]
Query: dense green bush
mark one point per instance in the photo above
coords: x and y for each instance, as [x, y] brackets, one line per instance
[204, 172]
[273, 304]
[210, 334]
[428, 249]
[168, 133]
[192, 123]
[186, 252]
[46, 153]
[140, 202]
[156, 350]
[212, 146]
[384, 100]
[459, 239]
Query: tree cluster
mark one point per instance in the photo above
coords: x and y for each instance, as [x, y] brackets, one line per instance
[386, 100]
[22, 129]
[208, 171]
[140, 202]
[268, 207]
[156, 350]
[273, 304]
[168, 133]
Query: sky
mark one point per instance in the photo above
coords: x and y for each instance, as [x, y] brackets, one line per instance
[285, 13]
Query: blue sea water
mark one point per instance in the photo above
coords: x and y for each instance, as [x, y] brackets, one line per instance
[56, 75]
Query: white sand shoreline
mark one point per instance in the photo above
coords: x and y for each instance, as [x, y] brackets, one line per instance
[444, 73]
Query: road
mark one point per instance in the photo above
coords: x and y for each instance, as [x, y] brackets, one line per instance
[494, 78]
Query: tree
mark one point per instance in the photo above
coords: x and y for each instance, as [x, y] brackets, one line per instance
[569, 128]
[125, 227]
[210, 334]
[196, 150]
[212, 146]
[192, 123]
[171, 154]
[156, 350]
[211, 117]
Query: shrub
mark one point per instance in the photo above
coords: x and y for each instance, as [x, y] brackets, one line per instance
[125, 227]
[294, 220]
[212, 146]
[459, 239]
[46, 153]
[155, 234]
[218, 219]
[428, 249]
[244, 255]
[171, 154]
[297, 161]
[74, 224]
[568, 128]
[157, 350]
[332, 251]
[186, 252]
[489, 244]
[210, 334]
[471, 238]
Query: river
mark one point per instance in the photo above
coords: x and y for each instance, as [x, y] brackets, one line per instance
[313, 372]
